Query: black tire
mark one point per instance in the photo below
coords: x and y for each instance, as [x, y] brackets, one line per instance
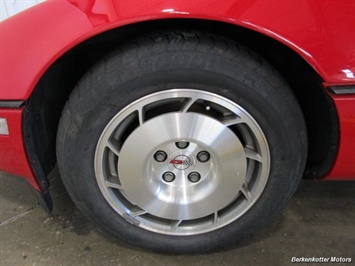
[182, 59]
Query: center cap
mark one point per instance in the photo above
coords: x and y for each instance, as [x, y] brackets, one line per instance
[181, 162]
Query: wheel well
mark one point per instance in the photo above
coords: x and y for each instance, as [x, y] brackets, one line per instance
[46, 103]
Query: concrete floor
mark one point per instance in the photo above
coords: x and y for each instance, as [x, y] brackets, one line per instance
[318, 222]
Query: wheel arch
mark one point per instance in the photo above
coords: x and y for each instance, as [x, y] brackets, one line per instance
[45, 105]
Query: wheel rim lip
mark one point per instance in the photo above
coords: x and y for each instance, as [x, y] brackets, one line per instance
[262, 178]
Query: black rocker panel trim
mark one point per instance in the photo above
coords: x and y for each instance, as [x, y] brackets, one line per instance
[11, 104]
[342, 90]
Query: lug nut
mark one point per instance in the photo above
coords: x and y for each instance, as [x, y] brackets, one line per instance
[168, 177]
[160, 156]
[182, 144]
[203, 156]
[194, 177]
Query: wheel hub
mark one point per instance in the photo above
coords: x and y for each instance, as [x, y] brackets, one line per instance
[182, 198]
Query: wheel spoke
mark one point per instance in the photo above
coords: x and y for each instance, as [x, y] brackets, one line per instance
[113, 185]
[215, 217]
[113, 148]
[251, 154]
[186, 106]
[138, 212]
[232, 121]
[175, 224]
[140, 116]
[246, 192]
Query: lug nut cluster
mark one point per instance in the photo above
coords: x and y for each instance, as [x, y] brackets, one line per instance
[161, 156]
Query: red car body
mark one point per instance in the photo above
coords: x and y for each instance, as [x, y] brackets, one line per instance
[322, 33]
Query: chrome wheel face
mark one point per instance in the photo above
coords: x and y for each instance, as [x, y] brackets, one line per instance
[182, 162]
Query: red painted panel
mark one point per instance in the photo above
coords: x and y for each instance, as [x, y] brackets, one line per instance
[344, 167]
[12, 152]
[32, 39]
[320, 31]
